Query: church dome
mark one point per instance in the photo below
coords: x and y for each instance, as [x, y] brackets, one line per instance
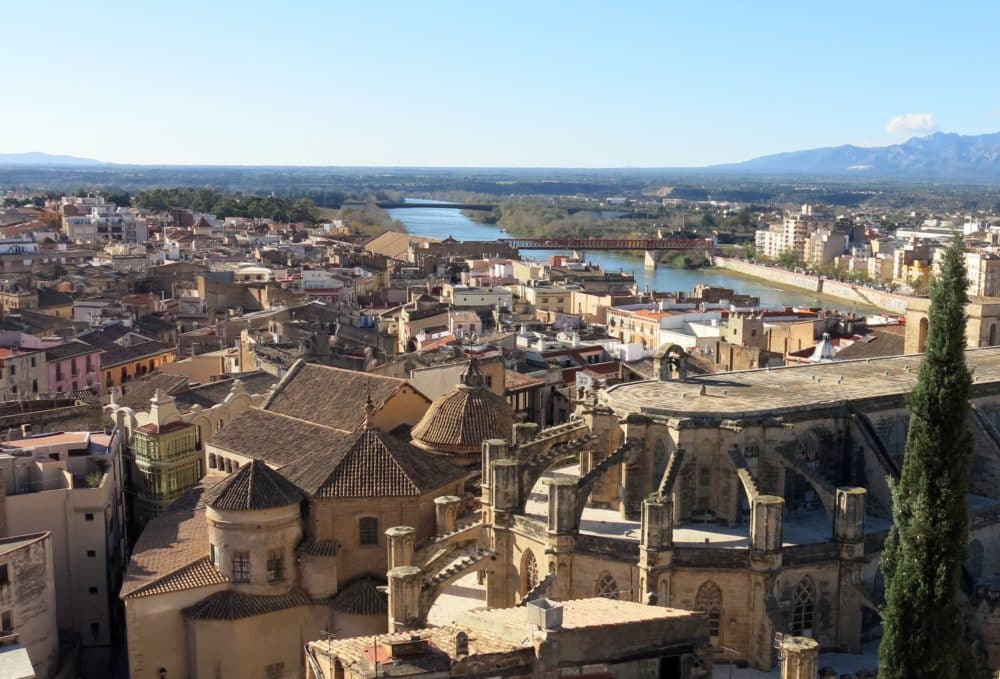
[460, 420]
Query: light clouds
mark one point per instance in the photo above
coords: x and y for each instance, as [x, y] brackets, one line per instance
[911, 123]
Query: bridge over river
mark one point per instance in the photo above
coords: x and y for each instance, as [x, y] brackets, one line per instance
[579, 245]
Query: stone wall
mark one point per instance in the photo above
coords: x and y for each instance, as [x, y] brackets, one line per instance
[889, 301]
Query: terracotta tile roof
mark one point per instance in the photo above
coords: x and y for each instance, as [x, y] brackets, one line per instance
[318, 548]
[255, 486]
[515, 381]
[171, 542]
[208, 395]
[232, 605]
[394, 244]
[139, 392]
[371, 463]
[200, 573]
[277, 439]
[333, 397]
[460, 420]
[879, 343]
[69, 349]
[362, 597]
[359, 650]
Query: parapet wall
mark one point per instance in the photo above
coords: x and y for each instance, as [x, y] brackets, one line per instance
[889, 301]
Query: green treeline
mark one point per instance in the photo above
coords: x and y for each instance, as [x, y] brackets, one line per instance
[224, 205]
[542, 219]
[370, 218]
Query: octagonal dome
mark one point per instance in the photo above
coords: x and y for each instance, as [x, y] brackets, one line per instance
[460, 420]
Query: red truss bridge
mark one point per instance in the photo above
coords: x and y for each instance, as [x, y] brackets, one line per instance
[583, 244]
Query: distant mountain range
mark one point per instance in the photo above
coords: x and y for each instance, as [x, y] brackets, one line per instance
[37, 159]
[944, 157]
[940, 156]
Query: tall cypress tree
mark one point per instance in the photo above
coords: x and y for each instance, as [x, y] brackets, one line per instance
[923, 556]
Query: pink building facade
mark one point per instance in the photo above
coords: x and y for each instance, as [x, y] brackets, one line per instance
[73, 366]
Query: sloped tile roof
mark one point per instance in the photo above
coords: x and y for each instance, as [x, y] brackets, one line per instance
[277, 439]
[200, 573]
[255, 486]
[362, 597]
[170, 543]
[232, 605]
[208, 395]
[318, 548]
[372, 463]
[333, 397]
[139, 392]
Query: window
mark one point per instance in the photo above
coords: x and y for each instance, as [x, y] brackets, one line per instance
[529, 571]
[95, 629]
[34, 386]
[13, 370]
[7, 622]
[709, 599]
[275, 671]
[33, 364]
[214, 549]
[92, 590]
[606, 586]
[4, 575]
[368, 531]
[802, 608]
[241, 567]
[91, 553]
[88, 517]
[275, 565]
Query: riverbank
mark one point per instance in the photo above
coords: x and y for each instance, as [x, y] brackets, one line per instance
[857, 295]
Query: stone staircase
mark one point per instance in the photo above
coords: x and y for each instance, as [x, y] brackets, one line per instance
[744, 474]
[461, 563]
[670, 474]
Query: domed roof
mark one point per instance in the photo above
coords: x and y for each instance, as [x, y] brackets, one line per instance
[460, 420]
[255, 486]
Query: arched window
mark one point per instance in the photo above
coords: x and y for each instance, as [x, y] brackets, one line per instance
[659, 463]
[606, 586]
[368, 530]
[803, 604]
[922, 335]
[709, 599]
[529, 571]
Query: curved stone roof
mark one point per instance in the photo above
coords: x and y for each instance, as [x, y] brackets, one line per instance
[460, 420]
[255, 486]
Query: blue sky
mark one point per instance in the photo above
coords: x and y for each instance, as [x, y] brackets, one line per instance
[570, 84]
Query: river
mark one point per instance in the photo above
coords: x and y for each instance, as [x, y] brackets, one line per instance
[443, 222]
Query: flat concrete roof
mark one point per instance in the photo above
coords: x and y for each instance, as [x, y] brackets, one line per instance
[774, 391]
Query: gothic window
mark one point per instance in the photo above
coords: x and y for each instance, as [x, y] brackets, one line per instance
[709, 599]
[368, 531]
[659, 463]
[606, 586]
[529, 570]
[803, 603]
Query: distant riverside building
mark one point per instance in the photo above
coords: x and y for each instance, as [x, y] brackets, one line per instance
[795, 234]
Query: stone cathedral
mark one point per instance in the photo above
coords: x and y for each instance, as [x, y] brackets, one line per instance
[760, 497]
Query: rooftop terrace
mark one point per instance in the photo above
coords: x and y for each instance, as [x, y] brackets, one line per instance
[778, 390]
